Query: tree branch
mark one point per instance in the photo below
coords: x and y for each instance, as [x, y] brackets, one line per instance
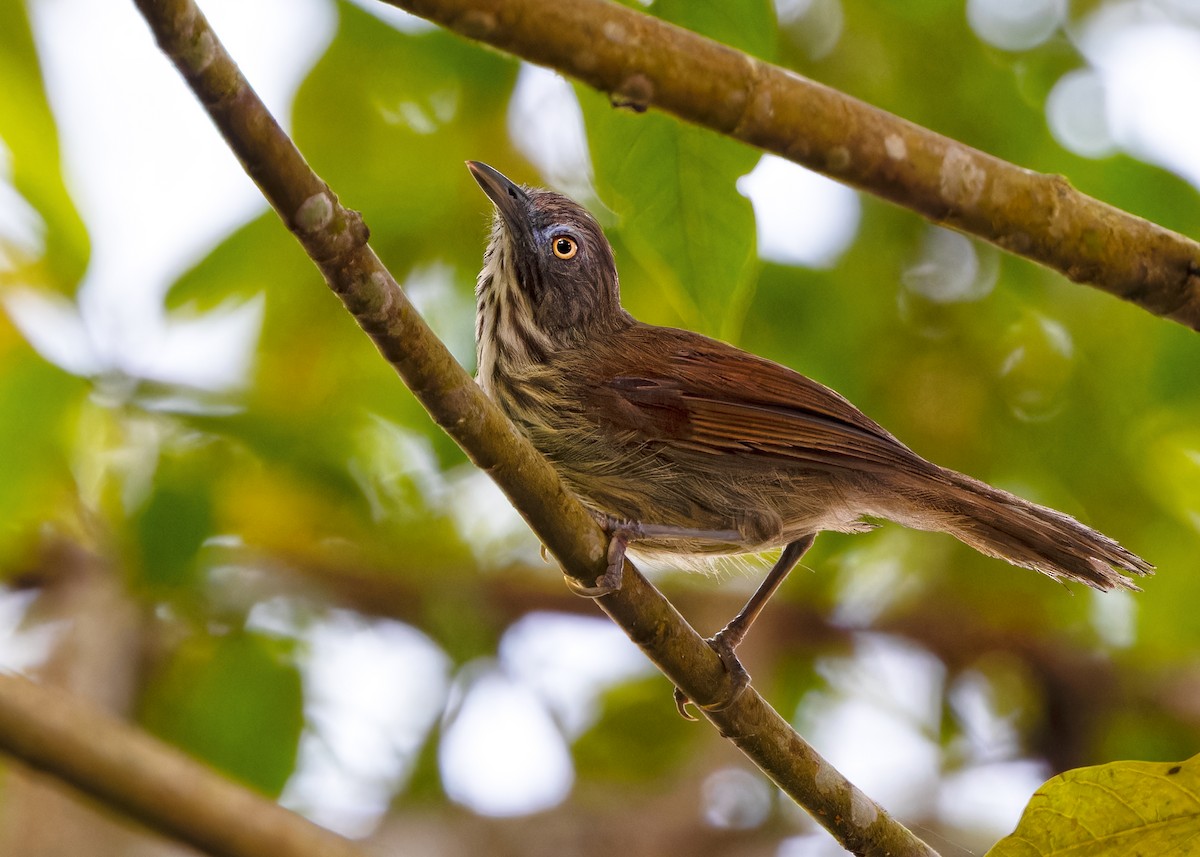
[642, 61]
[1080, 687]
[159, 786]
[335, 239]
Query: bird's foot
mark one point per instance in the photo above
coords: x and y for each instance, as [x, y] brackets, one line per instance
[724, 645]
[621, 533]
[610, 581]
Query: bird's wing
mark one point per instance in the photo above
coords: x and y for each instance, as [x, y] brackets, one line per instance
[711, 397]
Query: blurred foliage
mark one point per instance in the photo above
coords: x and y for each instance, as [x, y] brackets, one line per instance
[320, 482]
[38, 403]
[29, 134]
[234, 700]
[635, 740]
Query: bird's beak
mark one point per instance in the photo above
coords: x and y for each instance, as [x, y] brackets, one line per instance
[512, 202]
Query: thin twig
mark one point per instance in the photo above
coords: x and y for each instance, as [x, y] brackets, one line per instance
[336, 241]
[642, 61]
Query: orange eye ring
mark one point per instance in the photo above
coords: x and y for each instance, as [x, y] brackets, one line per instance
[564, 247]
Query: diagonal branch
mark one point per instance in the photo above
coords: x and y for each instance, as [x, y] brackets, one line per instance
[335, 239]
[643, 62]
[158, 785]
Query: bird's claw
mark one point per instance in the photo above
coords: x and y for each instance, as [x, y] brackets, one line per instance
[610, 581]
[601, 588]
[739, 679]
[682, 701]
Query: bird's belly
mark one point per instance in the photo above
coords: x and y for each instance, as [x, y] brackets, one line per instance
[633, 480]
[641, 484]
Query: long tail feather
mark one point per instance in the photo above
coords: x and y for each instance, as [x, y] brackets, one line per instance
[1003, 525]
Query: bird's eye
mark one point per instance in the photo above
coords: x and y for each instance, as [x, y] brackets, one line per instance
[564, 247]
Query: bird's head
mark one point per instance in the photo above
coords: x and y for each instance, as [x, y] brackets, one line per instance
[548, 257]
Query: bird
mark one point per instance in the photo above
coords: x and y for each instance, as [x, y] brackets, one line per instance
[685, 446]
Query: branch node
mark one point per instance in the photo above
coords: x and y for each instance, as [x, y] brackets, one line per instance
[314, 213]
[635, 93]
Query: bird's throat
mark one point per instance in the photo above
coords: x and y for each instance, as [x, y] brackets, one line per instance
[507, 338]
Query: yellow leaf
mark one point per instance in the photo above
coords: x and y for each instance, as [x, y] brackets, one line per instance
[1128, 809]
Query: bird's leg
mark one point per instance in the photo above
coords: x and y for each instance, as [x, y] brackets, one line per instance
[726, 641]
[621, 533]
[733, 633]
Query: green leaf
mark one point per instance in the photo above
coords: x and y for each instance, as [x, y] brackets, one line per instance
[38, 404]
[234, 701]
[418, 104]
[682, 221]
[259, 256]
[302, 485]
[1124, 809]
[748, 25]
[315, 374]
[637, 739]
[173, 523]
[27, 129]
[314, 450]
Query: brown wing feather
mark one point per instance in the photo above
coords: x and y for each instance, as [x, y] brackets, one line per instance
[719, 399]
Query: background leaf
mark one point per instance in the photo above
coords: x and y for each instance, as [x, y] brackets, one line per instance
[28, 130]
[681, 219]
[38, 405]
[234, 701]
[1117, 809]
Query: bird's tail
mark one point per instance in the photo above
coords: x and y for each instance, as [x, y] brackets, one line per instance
[1002, 525]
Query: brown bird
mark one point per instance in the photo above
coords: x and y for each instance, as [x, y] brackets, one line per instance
[684, 445]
